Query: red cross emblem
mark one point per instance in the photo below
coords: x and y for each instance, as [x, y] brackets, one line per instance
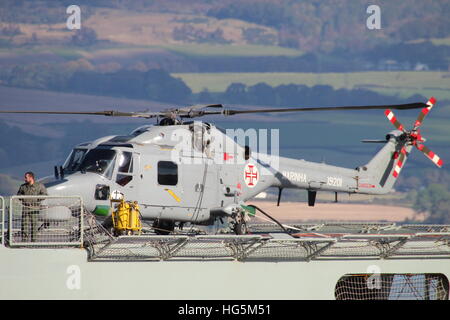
[251, 175]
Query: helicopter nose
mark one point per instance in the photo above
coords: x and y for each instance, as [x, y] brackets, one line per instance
[83, 185]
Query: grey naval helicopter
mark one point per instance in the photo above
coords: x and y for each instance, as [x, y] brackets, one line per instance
[192, 172]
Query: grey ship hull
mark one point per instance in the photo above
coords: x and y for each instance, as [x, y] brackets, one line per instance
[28, 273]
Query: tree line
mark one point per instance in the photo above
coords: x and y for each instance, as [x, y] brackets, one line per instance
[159, 85]
[429, 191]
[154, 84]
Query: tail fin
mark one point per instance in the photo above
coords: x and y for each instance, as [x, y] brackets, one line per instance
[381, 173]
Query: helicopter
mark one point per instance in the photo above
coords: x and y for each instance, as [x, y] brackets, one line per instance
[183, 171]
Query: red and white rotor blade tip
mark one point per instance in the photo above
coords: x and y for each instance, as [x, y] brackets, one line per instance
[399, 165]
[424, 112]
[390, 115]
[431, 155]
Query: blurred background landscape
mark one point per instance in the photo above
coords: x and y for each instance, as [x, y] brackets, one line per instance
[134, 55]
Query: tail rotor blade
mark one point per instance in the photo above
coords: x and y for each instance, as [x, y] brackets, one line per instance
[400, 162]
[424, 112]
[431, 155]
[390, 115]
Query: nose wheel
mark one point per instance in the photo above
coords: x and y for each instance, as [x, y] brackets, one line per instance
[240, 228]
[238, 223]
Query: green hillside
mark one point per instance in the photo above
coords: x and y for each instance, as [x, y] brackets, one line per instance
[404, 83]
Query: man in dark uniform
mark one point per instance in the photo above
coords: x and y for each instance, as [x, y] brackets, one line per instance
[30, 208]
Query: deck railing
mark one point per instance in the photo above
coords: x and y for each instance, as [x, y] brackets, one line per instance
[45, 221]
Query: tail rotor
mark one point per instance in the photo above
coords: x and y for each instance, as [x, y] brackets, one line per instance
[413, 138]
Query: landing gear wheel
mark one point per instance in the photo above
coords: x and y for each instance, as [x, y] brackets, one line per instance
[108, 225]
[240, 228]
[163, 227]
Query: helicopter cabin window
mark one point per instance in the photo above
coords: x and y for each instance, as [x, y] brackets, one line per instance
[167, 173]
[125, 168]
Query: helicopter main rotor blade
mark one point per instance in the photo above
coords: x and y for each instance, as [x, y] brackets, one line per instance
[185, 112]
[202, 110]
[193, 111]
[110, 113]
[407, 106]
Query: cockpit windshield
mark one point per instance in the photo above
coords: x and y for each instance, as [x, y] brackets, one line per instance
[74, 160]
[100, 161]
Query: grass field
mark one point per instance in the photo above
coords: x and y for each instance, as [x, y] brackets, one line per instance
[196, 50]
[403, 83]
[123, 52]
[441, 42]
[150, 28]
[130, 30]
[230, 50]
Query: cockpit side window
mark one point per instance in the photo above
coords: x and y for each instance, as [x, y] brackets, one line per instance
[125, 162]
[125, 170]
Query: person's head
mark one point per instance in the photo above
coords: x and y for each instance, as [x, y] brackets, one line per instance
[29, 177]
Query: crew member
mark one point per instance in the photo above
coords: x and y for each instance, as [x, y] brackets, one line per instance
[30, 208]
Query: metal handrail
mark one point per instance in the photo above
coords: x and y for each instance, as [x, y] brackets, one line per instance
[52, 242]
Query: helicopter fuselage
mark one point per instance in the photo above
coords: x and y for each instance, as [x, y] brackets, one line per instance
[190, 173]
